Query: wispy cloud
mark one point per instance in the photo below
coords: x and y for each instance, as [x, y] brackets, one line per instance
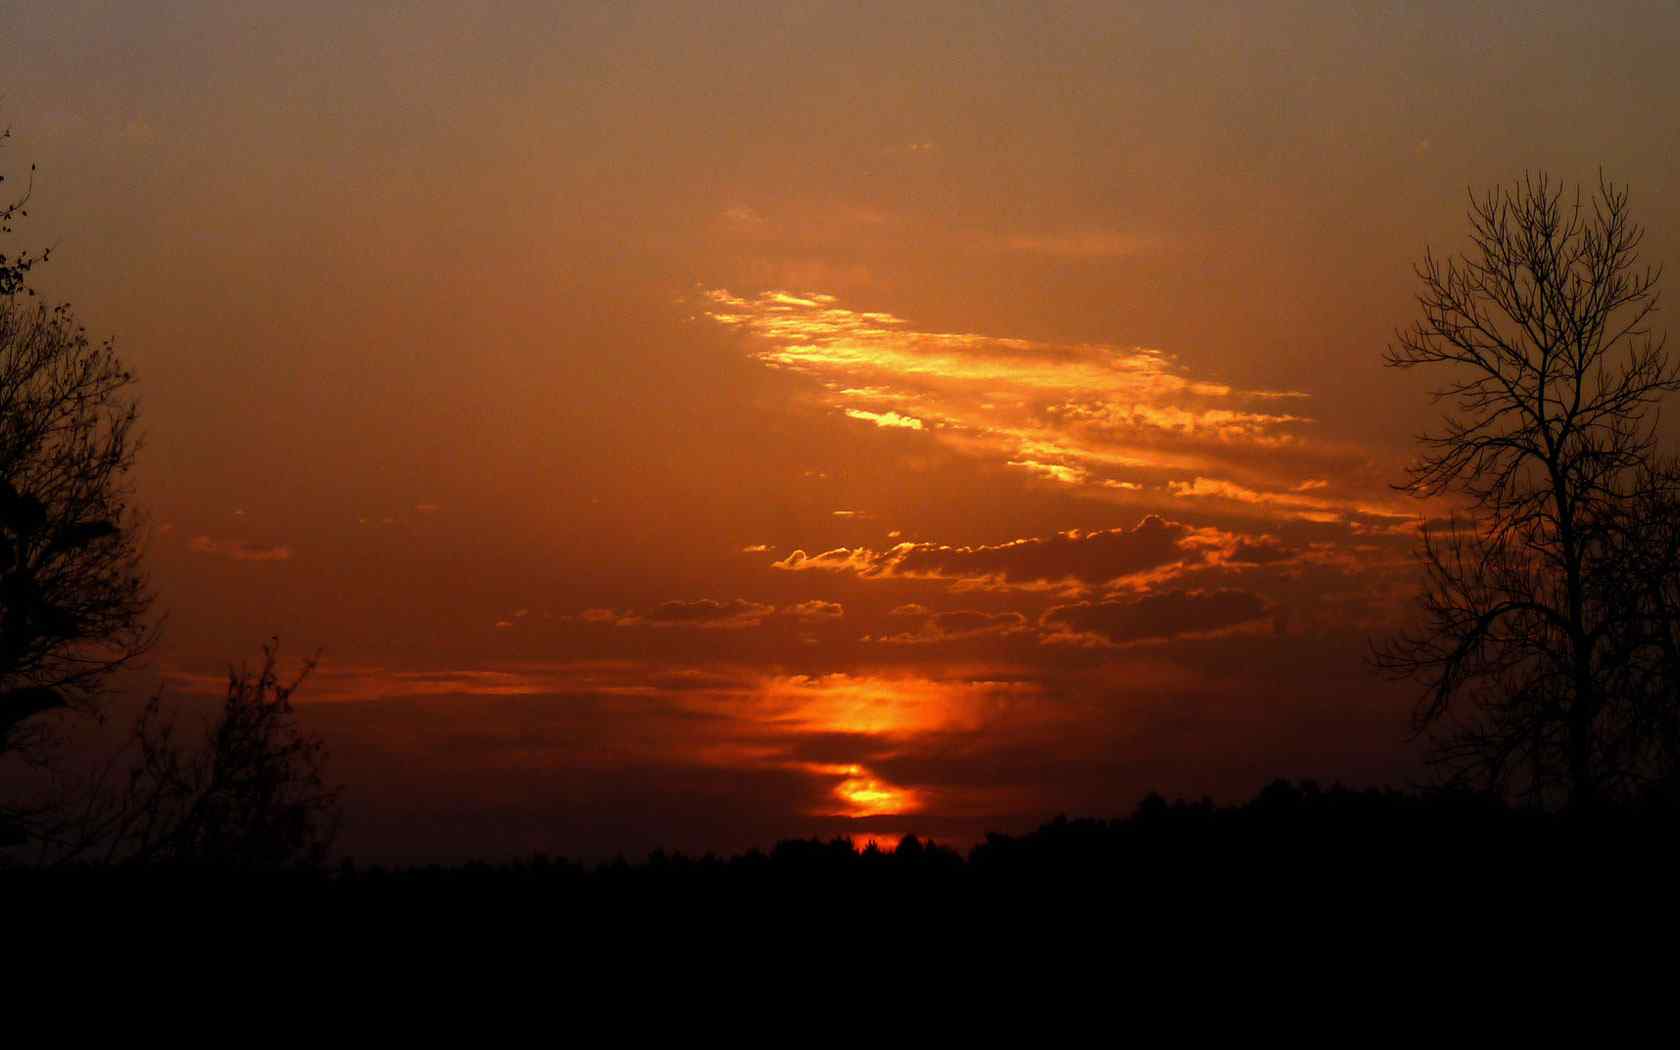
[703, 613]
[954, 626]
[885, 419]
[239, 550]
[815, 610]
[742, 220]
[1153, 617]
[1295, 502]
[1080, 244]
[1119, 423]
[710, 614]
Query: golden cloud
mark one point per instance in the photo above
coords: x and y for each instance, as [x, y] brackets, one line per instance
[885, 419]
[815, 610]
[1119, 423]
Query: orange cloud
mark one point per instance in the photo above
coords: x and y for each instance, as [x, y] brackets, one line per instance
[815, 610]
[1119, 423]
[1364, 517]
[1054, 471]
[882, 704]
[868, 796]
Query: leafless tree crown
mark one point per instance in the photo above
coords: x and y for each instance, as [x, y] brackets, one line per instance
[248, 794]
[74, 603]
[1542, 606]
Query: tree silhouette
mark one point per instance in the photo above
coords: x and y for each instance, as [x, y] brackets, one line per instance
[1547, 637]
[248, 795]
[73, 602]
[74, 609]
[15, 268]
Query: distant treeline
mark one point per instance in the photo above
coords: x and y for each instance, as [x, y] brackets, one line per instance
[1293, 834]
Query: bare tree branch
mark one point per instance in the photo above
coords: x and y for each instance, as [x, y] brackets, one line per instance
[1547, 632]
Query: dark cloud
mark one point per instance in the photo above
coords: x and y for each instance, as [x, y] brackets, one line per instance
[1090, 557]
[1259, 550]
[1074, 556]
[834, 748]
[962, 623]
[702, 613]
[1156, 616]
[709, 613]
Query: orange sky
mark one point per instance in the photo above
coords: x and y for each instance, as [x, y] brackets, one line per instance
[698, 424]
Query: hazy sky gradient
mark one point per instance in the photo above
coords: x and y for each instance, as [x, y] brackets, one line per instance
[695, 424]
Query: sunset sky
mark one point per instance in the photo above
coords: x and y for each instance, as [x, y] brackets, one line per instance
[699, 424]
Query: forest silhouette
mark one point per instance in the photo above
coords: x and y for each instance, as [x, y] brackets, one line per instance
[1295, 849]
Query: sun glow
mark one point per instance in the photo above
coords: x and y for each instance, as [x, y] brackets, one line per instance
[879, 705]
[867, 796]
[885, 843]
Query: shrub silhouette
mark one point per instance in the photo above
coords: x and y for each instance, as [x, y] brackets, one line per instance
[248, 795]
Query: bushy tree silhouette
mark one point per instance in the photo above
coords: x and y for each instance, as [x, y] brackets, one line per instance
[1547, 641]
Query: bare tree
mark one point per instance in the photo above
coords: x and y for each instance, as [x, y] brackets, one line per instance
[249, 794]
[14, 269]
[73, 602]
[1547, 598]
